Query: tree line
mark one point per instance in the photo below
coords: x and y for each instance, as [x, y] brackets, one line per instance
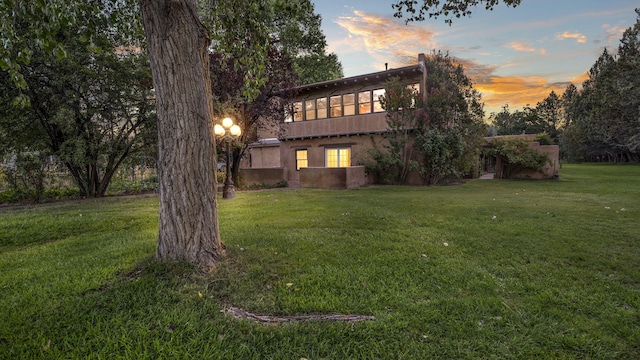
[599, 121]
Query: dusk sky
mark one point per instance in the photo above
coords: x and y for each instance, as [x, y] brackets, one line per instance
[514, 56]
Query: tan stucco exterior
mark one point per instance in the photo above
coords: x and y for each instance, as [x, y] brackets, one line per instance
[315, 129]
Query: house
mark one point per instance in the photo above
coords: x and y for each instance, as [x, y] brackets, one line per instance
[332, 126]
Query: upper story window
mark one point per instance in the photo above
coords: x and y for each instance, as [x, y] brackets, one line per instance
[321, 105]
[349, 104]
[297, 111]
[336, 106]
[361, 102]
[377, 107]
[364, 102]
[310, 109]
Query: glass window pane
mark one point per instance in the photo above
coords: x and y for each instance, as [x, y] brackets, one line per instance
[345, 157]
[377, 107]
[297, 111]
[336, 106]
[364, 102]
[332, 158]
[322, 108]
[349, 102]
[301, 159]
[338, 157]
[310, 107]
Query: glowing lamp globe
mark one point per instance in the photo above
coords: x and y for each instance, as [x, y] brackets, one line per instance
[227, 122]
[235, 130]
[218, 130]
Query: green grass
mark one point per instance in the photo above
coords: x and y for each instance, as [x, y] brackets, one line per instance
[555, 275]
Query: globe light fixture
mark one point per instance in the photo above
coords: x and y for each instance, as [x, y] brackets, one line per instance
[227, 132]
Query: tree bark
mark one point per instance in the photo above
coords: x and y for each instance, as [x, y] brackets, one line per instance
[177, 43]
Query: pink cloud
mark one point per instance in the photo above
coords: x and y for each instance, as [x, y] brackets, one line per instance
[577, 36]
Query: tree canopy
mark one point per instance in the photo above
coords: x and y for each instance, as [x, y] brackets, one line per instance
[90, 108]
[178, 43]
[438, 136]
[414, 11]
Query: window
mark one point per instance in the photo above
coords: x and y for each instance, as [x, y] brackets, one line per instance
[377, 107]
[301, 159]
[338, 157]
[364, 102]
[297, 111]
[321, 105]
[349, 103]
[310, 109]
[336, 106]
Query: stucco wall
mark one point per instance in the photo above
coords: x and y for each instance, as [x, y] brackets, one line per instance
[356, 124]
[316, 151]
[549, 171]
[333, 178]
[265, 157]
[268, 176]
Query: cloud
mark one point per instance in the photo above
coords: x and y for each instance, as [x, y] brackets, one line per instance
[614, 33]
[567, 35]
[517, 91]
[381, 36]
[386, 40]
[521, 46]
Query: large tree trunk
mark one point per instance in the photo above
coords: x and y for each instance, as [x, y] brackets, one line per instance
[178, 44]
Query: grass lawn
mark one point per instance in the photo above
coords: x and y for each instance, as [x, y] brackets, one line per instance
[556, 274]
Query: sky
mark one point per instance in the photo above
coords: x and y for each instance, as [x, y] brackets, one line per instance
[514, 56]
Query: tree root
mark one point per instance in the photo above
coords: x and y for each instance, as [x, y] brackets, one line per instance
[268, 319]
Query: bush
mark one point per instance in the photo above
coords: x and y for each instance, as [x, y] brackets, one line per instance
[544, 139]
[263, 185]
[516, 155]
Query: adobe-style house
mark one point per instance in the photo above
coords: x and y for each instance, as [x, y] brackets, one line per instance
[333, 124]
[332, 127]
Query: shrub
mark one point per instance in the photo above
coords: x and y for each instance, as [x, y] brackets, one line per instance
[516, 155]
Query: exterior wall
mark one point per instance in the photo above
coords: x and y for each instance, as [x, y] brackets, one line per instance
[549, 171]
[269, 176]
[355, 124]
[265, 157]
[316, 151]
[333, 178]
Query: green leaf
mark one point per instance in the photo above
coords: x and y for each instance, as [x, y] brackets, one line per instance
[5, 63]
[60, 52]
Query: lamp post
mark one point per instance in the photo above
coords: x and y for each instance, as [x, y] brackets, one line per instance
[227, 131]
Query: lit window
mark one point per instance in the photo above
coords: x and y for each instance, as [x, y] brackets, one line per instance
[336, 106]
[349, 102]
[301, 159]
[364, 102]
[297, 111]
[377, 94]
[322, 108]
[338, 157]
[310, 109]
